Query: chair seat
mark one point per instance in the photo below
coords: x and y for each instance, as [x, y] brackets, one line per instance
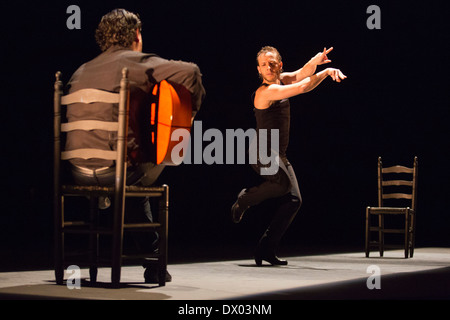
[389, 210]
[136, 191]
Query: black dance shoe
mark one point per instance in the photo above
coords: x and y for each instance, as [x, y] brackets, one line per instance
[270, 258]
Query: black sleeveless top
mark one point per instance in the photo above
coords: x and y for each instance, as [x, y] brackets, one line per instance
[277, 116]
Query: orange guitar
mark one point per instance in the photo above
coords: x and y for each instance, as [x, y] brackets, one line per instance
[171, 110]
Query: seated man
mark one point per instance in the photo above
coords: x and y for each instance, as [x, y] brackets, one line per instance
[120, 39]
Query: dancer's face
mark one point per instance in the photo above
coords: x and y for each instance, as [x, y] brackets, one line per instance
[269, 67]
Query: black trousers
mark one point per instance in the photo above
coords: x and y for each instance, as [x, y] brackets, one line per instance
[284, 186]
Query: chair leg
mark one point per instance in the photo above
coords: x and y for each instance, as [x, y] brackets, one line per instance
[116, 261]
[412, 234]
[59, 240]
[367, 242]
[381, 234]
[163, 219]
[117, 241]
[93, 239]
[406, 233]
[59, 269]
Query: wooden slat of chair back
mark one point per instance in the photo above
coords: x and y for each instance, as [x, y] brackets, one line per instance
[397, 196]
[89, 125]
[90, 96]
[397, 169]
[397, 183]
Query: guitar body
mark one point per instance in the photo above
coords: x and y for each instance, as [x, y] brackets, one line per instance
[171, 110]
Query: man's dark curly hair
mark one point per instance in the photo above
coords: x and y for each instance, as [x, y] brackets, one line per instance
[117, 27]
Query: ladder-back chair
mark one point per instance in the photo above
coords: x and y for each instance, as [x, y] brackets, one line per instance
[119, 192]
[395, 184]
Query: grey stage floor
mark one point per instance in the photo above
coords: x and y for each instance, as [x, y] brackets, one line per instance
[333, 276]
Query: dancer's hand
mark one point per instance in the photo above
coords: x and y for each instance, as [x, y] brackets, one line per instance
[336, 74]
[321, 57]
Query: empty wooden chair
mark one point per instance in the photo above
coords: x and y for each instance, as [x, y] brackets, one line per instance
[397, 196]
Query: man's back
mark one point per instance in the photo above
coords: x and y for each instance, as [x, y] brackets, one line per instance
[104, 72]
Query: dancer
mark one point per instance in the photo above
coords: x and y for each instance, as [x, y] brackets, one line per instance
[272, 111]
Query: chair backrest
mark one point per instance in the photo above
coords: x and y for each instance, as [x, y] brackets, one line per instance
[397, 182]
[88, 96]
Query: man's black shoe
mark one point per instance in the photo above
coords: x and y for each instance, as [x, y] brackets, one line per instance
[151, 275]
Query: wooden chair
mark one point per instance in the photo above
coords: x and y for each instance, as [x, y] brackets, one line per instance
[119, 192]
[398, 186]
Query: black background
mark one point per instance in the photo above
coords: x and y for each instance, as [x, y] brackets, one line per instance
[394, 104]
